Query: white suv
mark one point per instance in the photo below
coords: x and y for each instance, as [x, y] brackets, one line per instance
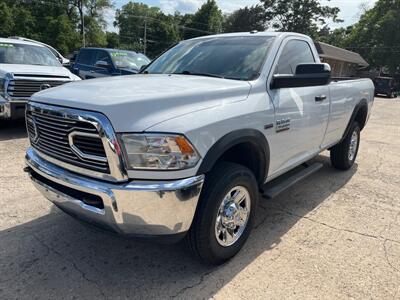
[26, 68]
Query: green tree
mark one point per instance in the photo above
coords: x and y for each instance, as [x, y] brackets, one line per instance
[112, 39]
[337, 37]
[207, 20]
[6, 20]
[146, 29]
[246, 19]
[61, 34]
[24, 23]
[303, 16]
[94, 33]
[377, 35]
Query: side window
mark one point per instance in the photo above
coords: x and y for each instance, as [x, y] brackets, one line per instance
[295, 52]
[104, 56]
[85, 57]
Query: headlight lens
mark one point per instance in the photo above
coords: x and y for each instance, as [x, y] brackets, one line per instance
[158, 152]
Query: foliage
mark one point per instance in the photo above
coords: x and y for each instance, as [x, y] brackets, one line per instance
[137, 20]
[94, 34]
[303, 16]
[207, 20]
[60, 23]
[377, 35]
[337, 37]
[56, 23]
[6, 20]
[112, 39]
[246, 19]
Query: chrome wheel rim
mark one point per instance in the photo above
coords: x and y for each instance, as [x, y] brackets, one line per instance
[353, 145]
[233, 216]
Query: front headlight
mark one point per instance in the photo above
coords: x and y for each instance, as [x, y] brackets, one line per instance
[158, 152]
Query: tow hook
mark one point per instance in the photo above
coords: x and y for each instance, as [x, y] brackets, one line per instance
[27, 169]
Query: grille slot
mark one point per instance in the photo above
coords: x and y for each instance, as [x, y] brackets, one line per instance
[89, 145]
[24, 88]
[52, 140]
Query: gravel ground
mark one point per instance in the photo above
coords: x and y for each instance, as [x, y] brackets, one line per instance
[334, 235]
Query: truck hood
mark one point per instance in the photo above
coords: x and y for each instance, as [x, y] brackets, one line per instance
[16, 69]
[136, 102]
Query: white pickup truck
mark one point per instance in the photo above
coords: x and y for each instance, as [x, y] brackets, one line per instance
[188, 147]
[26, 67]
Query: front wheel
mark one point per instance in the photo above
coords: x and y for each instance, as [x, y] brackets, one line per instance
[225, 214]
[344, 154]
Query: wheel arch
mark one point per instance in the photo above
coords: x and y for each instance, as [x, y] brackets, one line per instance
[360, 114]
[230, 145]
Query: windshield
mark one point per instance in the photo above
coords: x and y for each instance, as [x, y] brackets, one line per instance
[23, 54]
[238, 58]
[128, 59]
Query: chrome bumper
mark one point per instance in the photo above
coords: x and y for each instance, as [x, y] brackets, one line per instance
[139, 208]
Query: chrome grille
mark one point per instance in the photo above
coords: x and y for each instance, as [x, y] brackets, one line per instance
[50, 135]
[24, 88]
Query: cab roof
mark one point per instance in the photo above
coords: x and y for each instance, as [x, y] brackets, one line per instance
[254, 33]
[17, 41]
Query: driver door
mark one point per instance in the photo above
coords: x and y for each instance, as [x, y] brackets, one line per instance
[102, 55]
[300, 115]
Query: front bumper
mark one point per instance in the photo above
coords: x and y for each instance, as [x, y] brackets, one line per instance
[12, 109]
[137, 208]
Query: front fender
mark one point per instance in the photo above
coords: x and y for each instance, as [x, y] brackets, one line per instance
[252, 136]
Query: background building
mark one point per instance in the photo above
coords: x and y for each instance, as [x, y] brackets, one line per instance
[344, 63]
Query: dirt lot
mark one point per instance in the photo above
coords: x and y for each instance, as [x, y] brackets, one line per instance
[334, 235]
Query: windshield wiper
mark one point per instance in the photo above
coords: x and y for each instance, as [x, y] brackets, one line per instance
[198, 74]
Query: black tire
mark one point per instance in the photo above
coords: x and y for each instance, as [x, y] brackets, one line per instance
[340, 153]
[201, 238]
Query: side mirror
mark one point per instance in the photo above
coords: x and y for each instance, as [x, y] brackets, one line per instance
[306, 75]
[102, 64]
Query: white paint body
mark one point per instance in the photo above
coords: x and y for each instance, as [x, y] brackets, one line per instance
[205, 109]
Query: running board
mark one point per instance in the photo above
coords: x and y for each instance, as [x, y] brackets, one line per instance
[278, 185]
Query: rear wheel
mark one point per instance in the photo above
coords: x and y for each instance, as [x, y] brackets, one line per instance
[225, 214]
[344, 154]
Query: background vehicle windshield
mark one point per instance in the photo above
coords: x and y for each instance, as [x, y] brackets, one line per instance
[229, 57]
[128, 59]
[23, 54]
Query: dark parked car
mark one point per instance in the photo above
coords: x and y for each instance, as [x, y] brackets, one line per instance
[386, 86]
[99, 62]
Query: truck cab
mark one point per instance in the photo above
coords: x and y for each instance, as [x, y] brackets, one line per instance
[99, 62]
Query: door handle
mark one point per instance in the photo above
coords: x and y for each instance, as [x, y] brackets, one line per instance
[320, 98]
[91, 71]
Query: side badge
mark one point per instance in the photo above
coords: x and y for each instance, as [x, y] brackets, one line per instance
[282, 125]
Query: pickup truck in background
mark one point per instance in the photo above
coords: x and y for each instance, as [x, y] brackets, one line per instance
[101, 62]
[25, 68]
[188, 147]
[386, 86]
